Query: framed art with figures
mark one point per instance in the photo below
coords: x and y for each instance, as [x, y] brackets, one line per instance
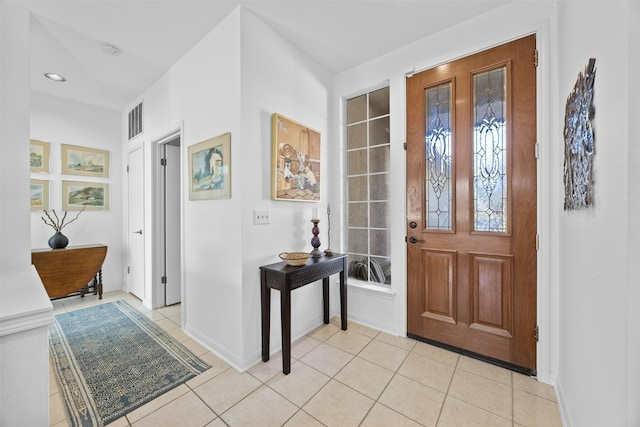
[295, 161]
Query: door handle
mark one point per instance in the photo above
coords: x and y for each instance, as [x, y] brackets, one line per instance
[414, 240]
[138, 232]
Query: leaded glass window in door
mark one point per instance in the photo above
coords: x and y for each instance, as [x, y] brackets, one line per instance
[490, 151]
[439, 158]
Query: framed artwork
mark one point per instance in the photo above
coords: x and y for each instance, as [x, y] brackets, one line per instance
[39, 156]
[210, 168]
[84, 161]
[39, 195]
[91, 195]
[295, 161]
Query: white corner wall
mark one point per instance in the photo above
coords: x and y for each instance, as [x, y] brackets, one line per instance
[202, 91]
[59, 121]
[280, 79]
[229, 82]
[593, 260]
[25, 310]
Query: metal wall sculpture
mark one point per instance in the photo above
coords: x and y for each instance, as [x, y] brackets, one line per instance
[579, 141]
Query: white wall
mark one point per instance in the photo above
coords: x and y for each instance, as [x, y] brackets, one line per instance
[385, 311]
[633, 280]
[14, 203]
[280, 79]
[59, 121]
[229, 82]
[593, 259]
[202, 91]
[25, 310]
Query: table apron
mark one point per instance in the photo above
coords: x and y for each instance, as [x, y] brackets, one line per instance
[303, 277]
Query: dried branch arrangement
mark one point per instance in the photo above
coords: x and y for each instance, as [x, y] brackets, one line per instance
[59, 223]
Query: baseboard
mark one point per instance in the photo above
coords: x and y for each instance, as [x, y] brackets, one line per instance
[562, 405]
[214, 348]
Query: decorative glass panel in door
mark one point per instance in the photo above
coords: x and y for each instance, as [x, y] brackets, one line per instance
[439, 155]
[490, 151]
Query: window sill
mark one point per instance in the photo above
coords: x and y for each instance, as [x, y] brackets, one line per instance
[369, 289]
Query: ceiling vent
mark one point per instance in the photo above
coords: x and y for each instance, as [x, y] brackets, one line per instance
[135, 121]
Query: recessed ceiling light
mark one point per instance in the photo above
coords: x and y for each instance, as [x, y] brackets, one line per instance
[110, 49]
[55, 77]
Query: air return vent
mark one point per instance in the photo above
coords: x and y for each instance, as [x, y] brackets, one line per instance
[135, 121]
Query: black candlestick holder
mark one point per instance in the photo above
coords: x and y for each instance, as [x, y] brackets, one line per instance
[315, 240]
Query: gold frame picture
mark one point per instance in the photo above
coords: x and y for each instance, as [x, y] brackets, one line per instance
[39, 195]
[210, 169]
[91, 196]
[295, 166]
[39, 156]
[84, 161]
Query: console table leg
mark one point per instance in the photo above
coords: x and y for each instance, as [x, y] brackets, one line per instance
[325, 299]
[265, 297]
[285, 318]
[343, 298]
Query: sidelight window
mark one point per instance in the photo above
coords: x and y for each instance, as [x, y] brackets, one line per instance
[368, 185]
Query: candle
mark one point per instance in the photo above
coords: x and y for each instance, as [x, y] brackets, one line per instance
[315, 214]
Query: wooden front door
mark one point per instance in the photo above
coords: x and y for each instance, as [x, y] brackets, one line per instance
[471, 204]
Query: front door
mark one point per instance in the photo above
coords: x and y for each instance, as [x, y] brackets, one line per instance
[471, 204]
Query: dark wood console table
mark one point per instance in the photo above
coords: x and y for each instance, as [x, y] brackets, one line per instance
[74, 270]
[286, 278]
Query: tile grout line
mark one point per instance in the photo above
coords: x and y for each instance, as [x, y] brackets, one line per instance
[513, 401]
[446, 394]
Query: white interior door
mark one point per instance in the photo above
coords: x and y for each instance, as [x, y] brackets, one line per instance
[172, 224]
[135, 243]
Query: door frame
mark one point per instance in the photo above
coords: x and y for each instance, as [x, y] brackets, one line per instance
[157, 214]
[547, 307]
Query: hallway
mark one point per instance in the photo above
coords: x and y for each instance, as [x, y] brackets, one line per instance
[358, 377]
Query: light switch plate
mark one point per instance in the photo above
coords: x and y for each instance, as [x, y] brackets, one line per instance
[261, 217]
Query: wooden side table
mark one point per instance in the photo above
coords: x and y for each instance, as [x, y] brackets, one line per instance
[69, 271]
[286, 278]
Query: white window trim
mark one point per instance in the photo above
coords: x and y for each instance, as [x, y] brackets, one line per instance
[368, 288]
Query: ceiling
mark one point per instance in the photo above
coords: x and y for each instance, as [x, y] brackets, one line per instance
[67, 37]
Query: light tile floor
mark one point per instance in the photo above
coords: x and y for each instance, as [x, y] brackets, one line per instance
[359, 377]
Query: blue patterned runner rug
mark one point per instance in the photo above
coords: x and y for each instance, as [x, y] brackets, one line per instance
[111, 359]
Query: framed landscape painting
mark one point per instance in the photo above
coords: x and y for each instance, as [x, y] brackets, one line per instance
[295, 161]
[90, 195]
[39, 195]
[84, 161]
[39, 156]
[210, 169]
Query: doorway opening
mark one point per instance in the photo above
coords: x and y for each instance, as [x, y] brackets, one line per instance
[167, 217]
